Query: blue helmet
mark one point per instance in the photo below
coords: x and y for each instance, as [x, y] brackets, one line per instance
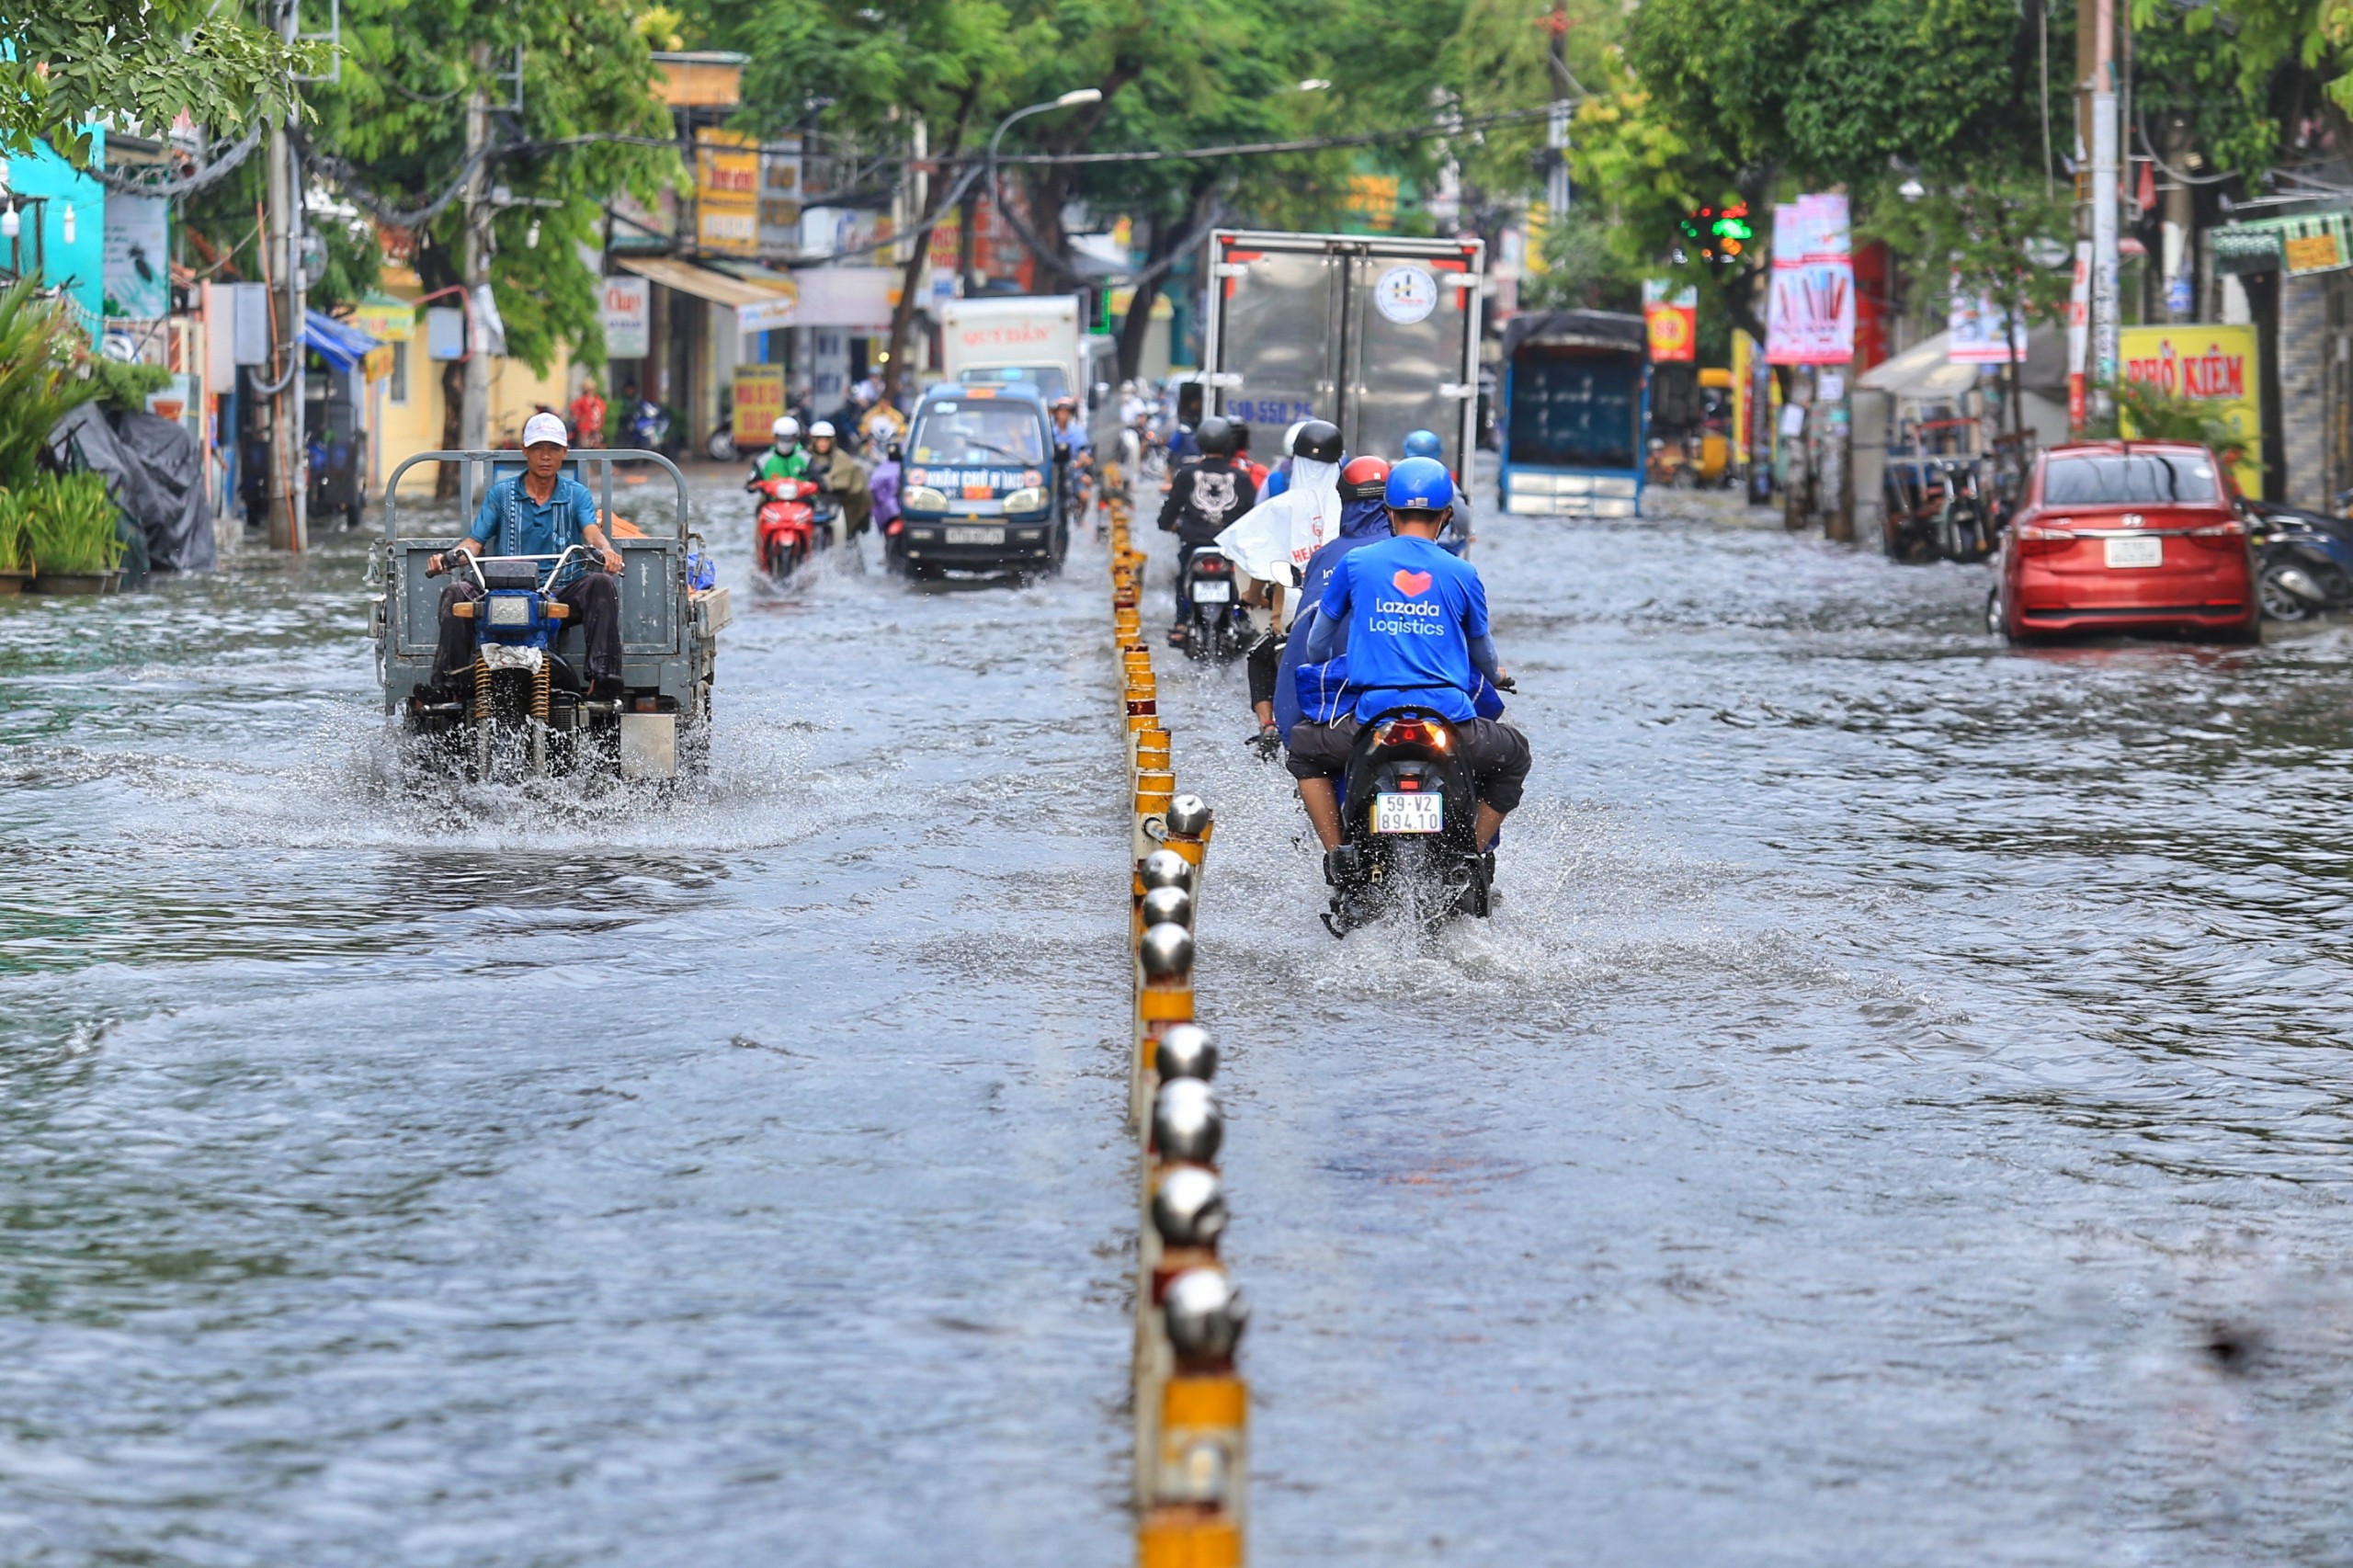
[1423, 444]
[1420, 484]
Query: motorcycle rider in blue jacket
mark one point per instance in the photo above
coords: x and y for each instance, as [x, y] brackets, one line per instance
[1414, 619]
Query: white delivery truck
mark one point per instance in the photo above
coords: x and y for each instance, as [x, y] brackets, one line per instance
[1380, 336]
[995, 339]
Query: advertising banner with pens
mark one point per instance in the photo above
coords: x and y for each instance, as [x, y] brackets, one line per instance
[1810, 309]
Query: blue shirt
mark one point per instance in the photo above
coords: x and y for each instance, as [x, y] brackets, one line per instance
[511, 523]
[1410, 611]
[1071, 438]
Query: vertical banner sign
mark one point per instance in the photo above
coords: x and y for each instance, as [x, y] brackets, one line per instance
[727, 193]
[1982, 333]
[2218, 366]
[1809, 310]
[627, 312]
[1671, 321]
[2079, 335]
[135, 265]
[759, 403]
[779, 227]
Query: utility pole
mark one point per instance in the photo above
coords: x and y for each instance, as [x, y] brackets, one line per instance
[474, 416]
[284, 484]
[1556, 129]
[2096, 99]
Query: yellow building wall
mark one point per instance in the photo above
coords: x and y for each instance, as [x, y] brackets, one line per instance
[400, 430]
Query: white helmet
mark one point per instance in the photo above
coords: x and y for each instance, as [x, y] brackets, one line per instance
[786, 430]
[823, 427]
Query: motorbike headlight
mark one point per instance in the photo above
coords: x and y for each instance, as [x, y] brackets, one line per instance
[923, 498]
[510, 609]
[1032, 499]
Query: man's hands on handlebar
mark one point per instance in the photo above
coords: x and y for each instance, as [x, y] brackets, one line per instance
[441, 562]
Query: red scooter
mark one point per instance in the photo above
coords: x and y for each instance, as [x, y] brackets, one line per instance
[787, 525]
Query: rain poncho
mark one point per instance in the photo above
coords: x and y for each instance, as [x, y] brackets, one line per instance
[1274, 540]
[1362, 523]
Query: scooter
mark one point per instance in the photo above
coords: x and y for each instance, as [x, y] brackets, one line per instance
[1220, 628]
[1410, 815]
[787, 531]
[2304, 562]
[528, 707]
[649, 428]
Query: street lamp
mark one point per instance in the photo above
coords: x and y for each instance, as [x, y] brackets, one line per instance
[1070, 99]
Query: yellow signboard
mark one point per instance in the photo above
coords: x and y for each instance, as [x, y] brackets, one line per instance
[2217, 366]
[760, 403]
[2312, 252]
[727, 193]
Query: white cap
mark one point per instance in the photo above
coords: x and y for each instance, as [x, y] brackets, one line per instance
[545, 427]
[823, 427]
[786, 429]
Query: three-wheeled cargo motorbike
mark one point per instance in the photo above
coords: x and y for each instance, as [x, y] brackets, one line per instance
[526, 709]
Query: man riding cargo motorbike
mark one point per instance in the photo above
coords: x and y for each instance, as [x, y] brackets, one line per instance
[540, 512]
[1074, 447]
[1412, 620]
[1203, 497]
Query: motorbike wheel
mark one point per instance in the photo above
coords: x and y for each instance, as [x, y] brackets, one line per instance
[721, 446]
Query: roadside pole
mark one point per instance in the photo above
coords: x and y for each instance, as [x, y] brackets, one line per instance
[474, 416]
[284, 486]
[2096, 63]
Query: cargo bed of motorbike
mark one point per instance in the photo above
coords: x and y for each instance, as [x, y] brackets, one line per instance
[669, 630]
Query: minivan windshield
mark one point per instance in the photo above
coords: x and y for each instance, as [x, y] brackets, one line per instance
[2129, 479]
[975, 433]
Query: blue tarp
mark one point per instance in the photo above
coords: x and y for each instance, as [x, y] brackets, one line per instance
[340, 345]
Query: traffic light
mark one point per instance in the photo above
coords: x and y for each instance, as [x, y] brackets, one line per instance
[1719, 236]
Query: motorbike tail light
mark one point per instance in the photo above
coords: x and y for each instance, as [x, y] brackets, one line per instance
[1412, 732]
[1211, 565]
[1411, 785]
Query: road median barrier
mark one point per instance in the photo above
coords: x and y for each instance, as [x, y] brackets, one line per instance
[1191, 1405]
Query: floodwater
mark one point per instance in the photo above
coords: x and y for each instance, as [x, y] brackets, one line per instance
[1898, 1114]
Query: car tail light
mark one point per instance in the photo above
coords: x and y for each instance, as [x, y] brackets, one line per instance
[2224, 535]
[2037, 538]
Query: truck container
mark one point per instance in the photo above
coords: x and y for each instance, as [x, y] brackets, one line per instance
[1577, 395]
[1380, 336]
[996, 339]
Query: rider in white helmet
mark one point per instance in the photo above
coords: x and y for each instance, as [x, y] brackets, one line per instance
[784, 459]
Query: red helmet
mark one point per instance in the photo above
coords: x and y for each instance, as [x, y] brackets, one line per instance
[1365, 479]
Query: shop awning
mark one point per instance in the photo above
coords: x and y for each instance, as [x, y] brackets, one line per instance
[2307, 242]
[341, 345]
[1921, 371]
[706, 283]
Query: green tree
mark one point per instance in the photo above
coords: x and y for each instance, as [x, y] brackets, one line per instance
[65, 63]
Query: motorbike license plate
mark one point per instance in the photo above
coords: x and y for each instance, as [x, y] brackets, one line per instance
[976, 536]
[1214, 593]
[2135, 551]
[1408, 813]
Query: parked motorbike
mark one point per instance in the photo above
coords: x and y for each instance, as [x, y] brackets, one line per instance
[2303, 562]
[649, 428]
[1410, 811]
[529, 706]
[1949, 517]
[1221, 625]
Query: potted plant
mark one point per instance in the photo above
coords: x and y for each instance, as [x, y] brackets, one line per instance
[76, 547]
[15, 543]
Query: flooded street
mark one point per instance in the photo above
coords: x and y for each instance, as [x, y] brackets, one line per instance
[1899, 1112]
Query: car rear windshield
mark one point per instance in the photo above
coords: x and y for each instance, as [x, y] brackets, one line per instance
[969, 433]
[2136, 479]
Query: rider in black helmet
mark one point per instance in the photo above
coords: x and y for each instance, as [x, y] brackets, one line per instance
[1203, 497]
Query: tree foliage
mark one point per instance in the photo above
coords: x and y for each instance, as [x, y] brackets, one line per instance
[66, 64]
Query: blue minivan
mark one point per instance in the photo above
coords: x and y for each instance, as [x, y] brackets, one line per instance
[980, 489]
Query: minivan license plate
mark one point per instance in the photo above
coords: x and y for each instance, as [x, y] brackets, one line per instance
[1408, 813]
[976, 536]
[2135, 551]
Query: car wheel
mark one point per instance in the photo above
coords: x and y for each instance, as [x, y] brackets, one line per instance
[2275, 599]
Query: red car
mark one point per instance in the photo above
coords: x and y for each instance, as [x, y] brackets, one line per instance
[2127, 535]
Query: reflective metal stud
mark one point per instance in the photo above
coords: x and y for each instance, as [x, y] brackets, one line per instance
[1187, 1122]
[1205, 1314]
[1166, 951]
[1189, 1209]
[1168, 906]
[1186, 1051]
